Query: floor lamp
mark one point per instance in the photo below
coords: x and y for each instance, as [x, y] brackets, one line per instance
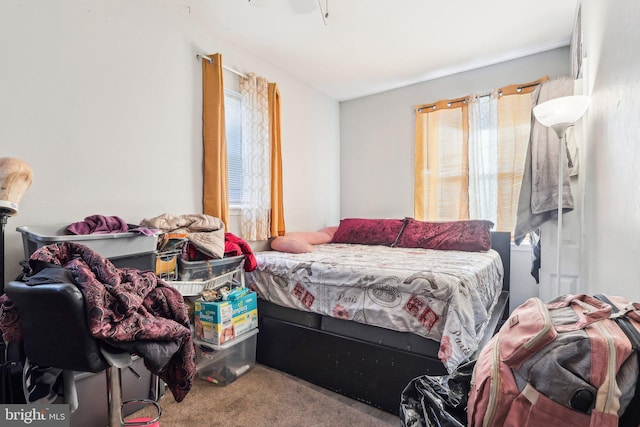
[560, 114]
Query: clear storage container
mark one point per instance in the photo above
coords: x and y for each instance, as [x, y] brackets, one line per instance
[205, 270]
[191, 288]
[223, 364]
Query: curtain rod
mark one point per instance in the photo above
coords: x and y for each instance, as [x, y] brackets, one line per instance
[519, 89]
[448, 104]
[205, 57]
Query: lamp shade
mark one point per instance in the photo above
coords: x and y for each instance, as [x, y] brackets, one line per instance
[15, 179]
[563, 110]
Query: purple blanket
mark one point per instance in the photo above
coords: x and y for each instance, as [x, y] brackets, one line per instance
[126, 308]
[99, 224]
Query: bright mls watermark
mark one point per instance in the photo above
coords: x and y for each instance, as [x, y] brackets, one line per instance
[35, 415]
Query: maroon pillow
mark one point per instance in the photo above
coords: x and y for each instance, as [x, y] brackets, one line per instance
[471, 235]
[368, 231]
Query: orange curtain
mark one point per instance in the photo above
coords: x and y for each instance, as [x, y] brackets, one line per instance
[441, 168]
[277, 209]
[215, 200]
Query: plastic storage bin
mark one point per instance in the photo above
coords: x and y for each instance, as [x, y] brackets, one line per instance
[124, 249]
[107, 245]
[223, 364]
[167, 265]
[92, 394]
[195, 288]
[205, 270]
[142, 261]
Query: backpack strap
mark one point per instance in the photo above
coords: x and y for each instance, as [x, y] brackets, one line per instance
[588, 309]
[631, 415]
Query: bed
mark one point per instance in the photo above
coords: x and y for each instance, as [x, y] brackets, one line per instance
[363, 320]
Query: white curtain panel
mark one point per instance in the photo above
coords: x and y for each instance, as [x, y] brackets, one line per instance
[483, 157]
[254, 224]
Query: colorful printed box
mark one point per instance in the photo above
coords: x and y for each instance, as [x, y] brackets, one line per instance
[218, 322]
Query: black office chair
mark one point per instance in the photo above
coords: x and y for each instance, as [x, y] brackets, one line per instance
[56, 334]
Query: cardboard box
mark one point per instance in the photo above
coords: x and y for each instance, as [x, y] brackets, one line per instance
[220, 321]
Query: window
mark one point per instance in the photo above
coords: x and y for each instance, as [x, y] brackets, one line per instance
[483, 159]
[470, 156]
[233, 125]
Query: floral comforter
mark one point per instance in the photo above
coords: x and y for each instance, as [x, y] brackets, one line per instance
[447, 296]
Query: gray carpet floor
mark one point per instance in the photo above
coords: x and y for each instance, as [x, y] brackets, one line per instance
[266, 397]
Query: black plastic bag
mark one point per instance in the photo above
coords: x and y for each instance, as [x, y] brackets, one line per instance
[437, 401]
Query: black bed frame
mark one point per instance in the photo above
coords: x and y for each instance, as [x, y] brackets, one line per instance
[362, 367]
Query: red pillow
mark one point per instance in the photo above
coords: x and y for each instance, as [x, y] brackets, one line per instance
[470, 236]
[368, 231]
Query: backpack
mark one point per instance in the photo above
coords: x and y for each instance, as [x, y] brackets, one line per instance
[570, 362]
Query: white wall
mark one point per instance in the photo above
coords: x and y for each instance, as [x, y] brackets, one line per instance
[377, 143]
[377, 132]
[102, 98]
[523, 285]
[612, 153]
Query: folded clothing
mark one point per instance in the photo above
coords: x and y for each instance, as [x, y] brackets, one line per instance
[233, 246]
[204, 231]
[99, 224]
[102, 224]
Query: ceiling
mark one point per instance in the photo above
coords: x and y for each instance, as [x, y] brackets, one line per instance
[368, 46]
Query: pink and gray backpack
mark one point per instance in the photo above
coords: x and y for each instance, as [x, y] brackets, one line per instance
[570, 362]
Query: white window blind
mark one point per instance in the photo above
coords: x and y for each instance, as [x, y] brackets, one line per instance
[233, 124]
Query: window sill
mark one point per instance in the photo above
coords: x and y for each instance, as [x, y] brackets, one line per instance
[524, 246]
